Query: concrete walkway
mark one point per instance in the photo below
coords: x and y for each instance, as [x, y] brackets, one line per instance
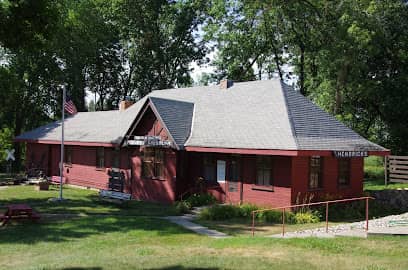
[395, 230]
[185, 221]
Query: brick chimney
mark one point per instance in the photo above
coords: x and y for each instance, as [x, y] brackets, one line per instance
[225, 83]
[124, 104]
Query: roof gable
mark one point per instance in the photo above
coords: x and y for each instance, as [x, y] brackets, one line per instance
[176, 117]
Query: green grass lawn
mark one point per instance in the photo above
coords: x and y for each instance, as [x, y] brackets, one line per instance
[110, 237]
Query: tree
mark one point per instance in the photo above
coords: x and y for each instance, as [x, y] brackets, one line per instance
[350, 56]
[27, 23]
[160, 45]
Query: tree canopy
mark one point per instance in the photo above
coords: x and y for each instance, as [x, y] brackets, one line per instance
[350, 57]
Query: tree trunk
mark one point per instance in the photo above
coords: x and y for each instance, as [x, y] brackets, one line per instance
[276, 58]
[340, 85]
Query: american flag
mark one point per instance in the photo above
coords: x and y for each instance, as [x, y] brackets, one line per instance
[70, 106]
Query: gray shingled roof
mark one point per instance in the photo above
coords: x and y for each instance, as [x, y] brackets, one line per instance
[176, 116]
[316, 129]
[250, 115]
[99, 127]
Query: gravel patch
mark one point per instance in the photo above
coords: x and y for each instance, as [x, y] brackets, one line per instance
[348, 229]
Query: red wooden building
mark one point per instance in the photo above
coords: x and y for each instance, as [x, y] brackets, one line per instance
[257, 142]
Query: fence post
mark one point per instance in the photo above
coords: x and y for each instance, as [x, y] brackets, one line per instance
[283, 222]
[327, 217]
[253, 223]
[367, 214]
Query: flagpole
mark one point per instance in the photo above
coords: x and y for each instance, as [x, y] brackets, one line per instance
[62, 142]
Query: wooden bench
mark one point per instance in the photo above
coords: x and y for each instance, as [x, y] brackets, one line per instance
[114, 196]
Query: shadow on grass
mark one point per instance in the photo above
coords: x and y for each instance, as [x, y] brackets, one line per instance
[81, 268]
[179, 267]
[100, 217]
[71, 229]
[175, 267]
[83, 202]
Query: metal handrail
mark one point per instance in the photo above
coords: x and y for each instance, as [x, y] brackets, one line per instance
[309, 204]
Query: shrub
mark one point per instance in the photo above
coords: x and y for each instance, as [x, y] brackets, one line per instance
[274, 216]
[245, 210]
[220, 212]
[306, 217]
[224, 212]
[201, 199]
[182, 207]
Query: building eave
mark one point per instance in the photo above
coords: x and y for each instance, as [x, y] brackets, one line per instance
[273, 152]
[95, 144]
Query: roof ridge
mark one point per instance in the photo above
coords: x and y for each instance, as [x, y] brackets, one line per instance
[290, 118]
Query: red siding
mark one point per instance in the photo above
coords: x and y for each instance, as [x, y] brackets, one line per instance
[330, 189]
[82, 171]
[36, 156]
[161, 190]
[280, 196]
[290, 174]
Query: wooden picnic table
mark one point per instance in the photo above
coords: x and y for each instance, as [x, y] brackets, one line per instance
[18, 211]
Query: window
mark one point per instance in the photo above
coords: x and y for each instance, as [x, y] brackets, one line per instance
[264, 171]
[209, 168]
[100, 157]
[221, 165]
[315, 177]
[344, 171]
[152, 163]
[68, 155]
